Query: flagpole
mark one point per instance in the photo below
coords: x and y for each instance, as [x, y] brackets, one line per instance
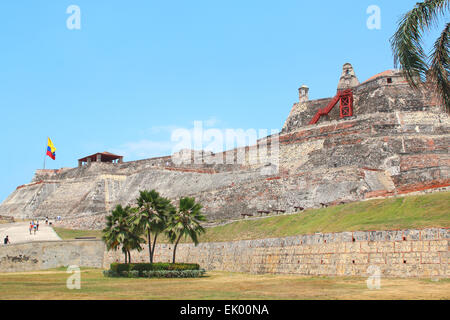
[45, 155]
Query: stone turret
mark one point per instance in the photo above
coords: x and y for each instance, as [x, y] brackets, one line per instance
[348, 78]
[303, 93]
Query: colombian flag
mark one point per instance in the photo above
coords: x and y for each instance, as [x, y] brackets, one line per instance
[51, 149]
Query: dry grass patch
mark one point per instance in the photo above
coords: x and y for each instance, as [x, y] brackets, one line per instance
[216, 285]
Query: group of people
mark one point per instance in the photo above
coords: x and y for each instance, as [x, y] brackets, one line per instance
[34, 226]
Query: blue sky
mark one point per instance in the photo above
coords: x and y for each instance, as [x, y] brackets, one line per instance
[137, 69]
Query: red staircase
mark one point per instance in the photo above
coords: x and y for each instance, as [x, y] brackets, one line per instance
[345, 98]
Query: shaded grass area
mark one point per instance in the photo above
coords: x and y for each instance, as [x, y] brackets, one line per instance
[412, 212]
[69, 234]
[215, 286]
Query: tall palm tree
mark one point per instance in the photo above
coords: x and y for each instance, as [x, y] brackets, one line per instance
[120, 233]
[408, 50]
[151, 216]
[185, 221]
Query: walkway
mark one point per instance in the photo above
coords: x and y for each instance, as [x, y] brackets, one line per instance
[19, 233]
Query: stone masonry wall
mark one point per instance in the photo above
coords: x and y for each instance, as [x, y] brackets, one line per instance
[396, 143]
[51, 254]
[381, 154]
[404, 253]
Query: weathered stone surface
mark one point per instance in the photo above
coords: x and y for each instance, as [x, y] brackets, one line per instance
[51, 254]
[319, 254]
[397, 143]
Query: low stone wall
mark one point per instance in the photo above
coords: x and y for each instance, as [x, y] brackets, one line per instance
[51, 254]
[6, 219]
[405, 253]
[408, 253]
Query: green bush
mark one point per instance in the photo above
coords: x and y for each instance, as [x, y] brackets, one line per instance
[174, 273]
[110, 274]
[141, 267]
[155, 273]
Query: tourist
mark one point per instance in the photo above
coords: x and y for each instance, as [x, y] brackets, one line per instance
[31, 226]
[46, 220]
[34, 228]
[6, 241]
[37, 225]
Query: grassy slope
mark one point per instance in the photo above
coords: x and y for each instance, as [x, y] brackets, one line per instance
[432, 210]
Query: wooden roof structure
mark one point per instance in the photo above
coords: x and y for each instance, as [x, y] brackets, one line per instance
[102, 157]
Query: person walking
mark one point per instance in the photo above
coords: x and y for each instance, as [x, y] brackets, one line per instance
[34, 228]
[31, 226]
[37, 225]
[6, 240]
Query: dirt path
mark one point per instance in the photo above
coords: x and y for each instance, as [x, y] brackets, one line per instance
[19, 233]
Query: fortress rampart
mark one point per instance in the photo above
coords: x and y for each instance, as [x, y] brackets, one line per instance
[396, 142]
[402, 253]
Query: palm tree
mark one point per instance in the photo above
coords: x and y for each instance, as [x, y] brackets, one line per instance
[185, 222]
[151, 216]
[408, 50]
[120, 233]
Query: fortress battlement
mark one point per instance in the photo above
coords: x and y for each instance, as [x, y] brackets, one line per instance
[378, 138]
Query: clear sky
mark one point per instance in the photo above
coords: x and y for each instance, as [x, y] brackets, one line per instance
[137, 69]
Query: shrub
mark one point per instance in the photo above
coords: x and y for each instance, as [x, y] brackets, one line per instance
[110, 273]
[156, 274]
[155, 270]
[141, 267]
[174, 273]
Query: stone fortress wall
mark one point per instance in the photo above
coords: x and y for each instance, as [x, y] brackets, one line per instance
[403, 253]
[397, 142]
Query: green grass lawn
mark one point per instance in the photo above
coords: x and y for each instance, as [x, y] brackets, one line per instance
[68, 234]
[214, 286]
[431, 210]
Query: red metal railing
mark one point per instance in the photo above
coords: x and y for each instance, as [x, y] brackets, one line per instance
[346, 106]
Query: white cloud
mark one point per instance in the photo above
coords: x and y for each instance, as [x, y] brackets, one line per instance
[202, 135]
[145, 149]
[211, 122]
[159, 129]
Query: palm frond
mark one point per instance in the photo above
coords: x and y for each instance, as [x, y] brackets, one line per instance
[406, 43]
[440, 67]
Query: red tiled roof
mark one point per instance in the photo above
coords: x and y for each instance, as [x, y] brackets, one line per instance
[382, 74]
[108, 155]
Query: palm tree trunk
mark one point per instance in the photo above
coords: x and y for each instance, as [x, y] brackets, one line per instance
[125, 257]
[154, 245]
[175, 248]
[149, 239]
[129, 256]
